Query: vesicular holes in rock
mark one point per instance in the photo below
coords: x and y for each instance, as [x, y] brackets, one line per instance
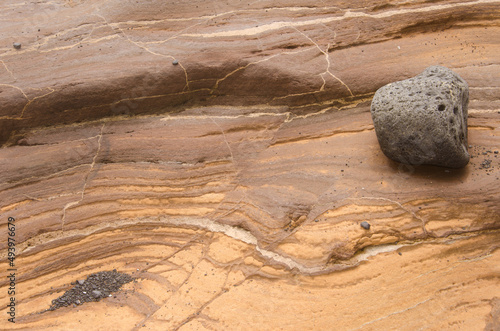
[426, 119]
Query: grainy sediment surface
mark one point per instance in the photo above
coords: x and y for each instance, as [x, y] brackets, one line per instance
[232, 184]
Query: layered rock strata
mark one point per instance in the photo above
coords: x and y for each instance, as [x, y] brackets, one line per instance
[233, 185]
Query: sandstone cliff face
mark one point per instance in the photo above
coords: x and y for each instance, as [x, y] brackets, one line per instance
[232, 184]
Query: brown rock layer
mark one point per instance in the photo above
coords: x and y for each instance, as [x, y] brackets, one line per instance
[233, 184]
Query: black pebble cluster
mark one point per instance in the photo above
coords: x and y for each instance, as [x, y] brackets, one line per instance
[94, 288]
[489, 158]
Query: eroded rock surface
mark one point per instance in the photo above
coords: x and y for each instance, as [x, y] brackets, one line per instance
[423, 120]
[232, 186]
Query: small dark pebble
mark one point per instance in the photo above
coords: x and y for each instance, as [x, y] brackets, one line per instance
[316, 220]
[365, 225]
[17, 45]
[400, 253]
[175, 62]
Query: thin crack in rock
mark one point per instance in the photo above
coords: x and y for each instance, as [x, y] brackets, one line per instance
[74, 203]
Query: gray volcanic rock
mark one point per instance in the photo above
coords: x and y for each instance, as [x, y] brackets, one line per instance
[423, 120]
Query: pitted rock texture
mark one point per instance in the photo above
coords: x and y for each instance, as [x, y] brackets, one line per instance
[423, 120]
[232, 186]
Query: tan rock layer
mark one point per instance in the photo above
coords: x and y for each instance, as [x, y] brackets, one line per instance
[68, 69]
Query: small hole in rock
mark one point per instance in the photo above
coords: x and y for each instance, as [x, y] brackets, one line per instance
[441, 107]
[455, 110]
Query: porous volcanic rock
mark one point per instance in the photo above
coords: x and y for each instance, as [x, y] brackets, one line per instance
[423, 120]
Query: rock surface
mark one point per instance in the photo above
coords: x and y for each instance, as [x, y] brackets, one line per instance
[423, 120]
[232, 185]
